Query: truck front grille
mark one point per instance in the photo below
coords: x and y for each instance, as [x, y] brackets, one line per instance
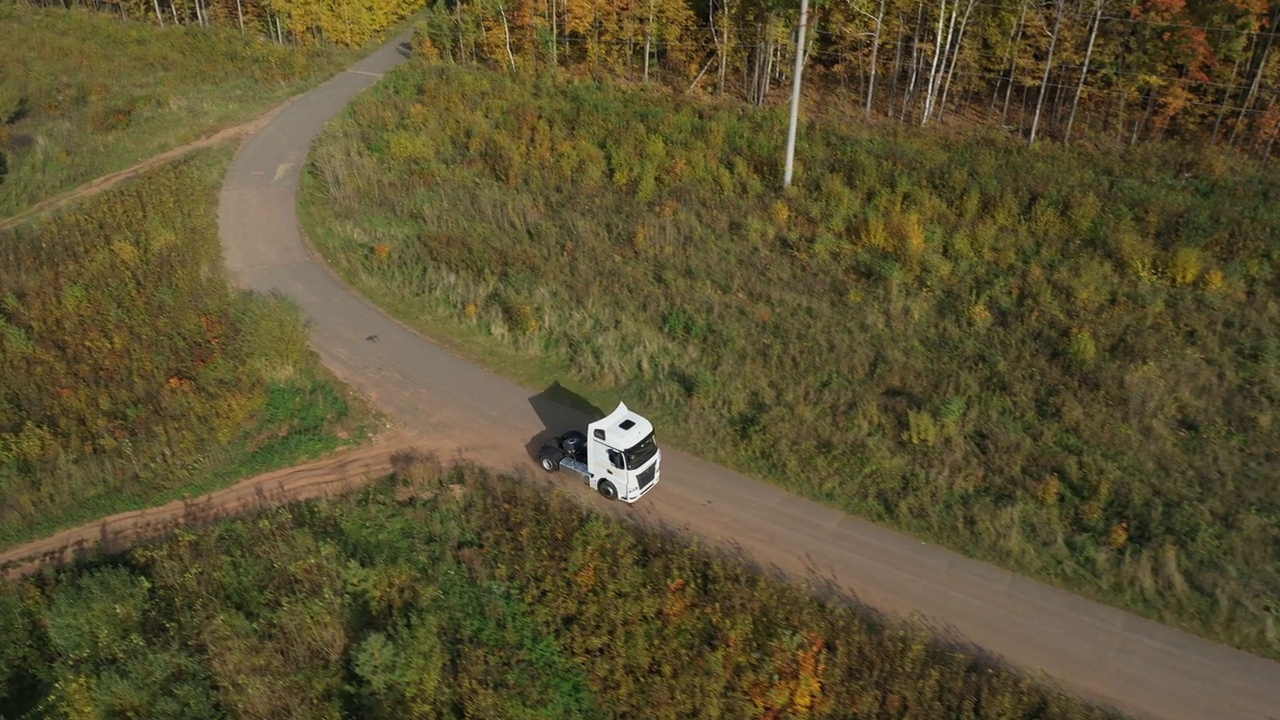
[646, 476]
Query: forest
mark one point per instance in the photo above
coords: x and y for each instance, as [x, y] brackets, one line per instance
[1098, 71]
[133, 373]
[446, 593]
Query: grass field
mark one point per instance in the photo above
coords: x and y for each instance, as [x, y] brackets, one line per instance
[477, 597]
[1060, 361]
[133, 374]
[84, 94]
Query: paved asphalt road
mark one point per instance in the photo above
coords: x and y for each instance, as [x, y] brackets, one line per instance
[1134, 665]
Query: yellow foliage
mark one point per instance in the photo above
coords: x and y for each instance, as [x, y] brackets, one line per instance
[922, 429]
[1119, 535]
[809, 683]
[677, 601]
[34, 444]
[980, 315]
[427, 48]
[1050, 491]
[586, 577]
[1046, 221]
[408, 147]
[1082, 348]
[640, 238]
[1214, 280]
[875, 234]
[523, 318]
[126, 251]
[780, 212]
[76, 699]
[179, 384]
[1185, 266]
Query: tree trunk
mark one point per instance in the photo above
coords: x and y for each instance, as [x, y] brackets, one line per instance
[1013, 67]
[897, 66]
[1138, 126]
[1057, 101]
[795, 93]
[762, 64]
[768, 68]
[916, 59]
[1266, 157]
[595, 45]
[955, 55]
[1048, 65]
[1257, 79]
[939, 48]
[240, 16]
[723, 44]
[462, 33]
[1226, 97]
[555, 36]
[648, 39]
[506, 32]
[1088, 53]
[159, 17]
[875, 50]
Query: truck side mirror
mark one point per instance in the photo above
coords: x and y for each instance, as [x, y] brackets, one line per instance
[615, 459]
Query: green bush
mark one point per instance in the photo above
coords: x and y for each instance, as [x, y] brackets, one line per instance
[476, 597]
[132, 371]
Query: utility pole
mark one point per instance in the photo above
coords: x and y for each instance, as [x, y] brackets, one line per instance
[795, 94]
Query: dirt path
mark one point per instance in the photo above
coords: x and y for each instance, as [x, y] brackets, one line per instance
[337, 473]
[449, 407]
[106, 182]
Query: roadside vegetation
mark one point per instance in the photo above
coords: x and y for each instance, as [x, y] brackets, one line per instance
[84, 94]
[475, 597]
[1059, 360]
[133, 374]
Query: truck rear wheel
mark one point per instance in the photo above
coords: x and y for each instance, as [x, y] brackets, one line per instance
[550, 464]
[607, 489]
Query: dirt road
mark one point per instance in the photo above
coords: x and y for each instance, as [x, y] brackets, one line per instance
[107, 182]
[460, 410]
[335, 474]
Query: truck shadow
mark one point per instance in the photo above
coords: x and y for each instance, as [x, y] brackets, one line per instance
[560, 410]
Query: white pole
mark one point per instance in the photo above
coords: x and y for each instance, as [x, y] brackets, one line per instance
[795, 94]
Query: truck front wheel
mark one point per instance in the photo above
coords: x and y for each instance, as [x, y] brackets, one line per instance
[608, 490]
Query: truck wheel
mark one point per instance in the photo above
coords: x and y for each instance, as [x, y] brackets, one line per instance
[550, 464]
[608, 490]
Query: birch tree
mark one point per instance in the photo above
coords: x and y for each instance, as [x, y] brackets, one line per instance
[939, 49]
[872, 66]
[1084, 70]
[955, 55]
[1058, 11]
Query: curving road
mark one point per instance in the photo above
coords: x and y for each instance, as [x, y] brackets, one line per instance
[1132, 664]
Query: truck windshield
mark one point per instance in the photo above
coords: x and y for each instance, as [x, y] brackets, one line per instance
[642, 453]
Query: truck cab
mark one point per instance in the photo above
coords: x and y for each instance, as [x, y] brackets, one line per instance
[618, 455]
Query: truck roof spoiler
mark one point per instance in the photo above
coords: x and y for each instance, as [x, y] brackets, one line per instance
[621, 428]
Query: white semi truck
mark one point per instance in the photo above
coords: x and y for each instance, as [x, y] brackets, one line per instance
[618, 455]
